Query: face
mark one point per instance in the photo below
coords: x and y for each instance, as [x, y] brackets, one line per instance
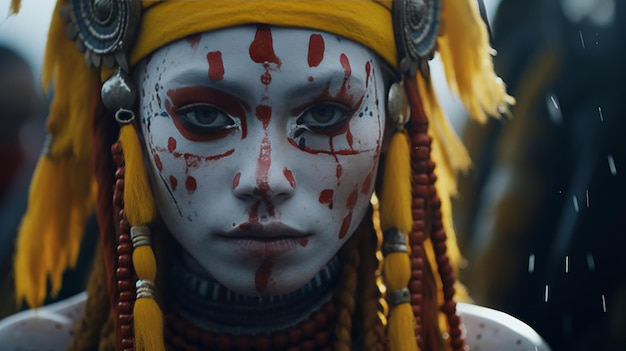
[263, 145]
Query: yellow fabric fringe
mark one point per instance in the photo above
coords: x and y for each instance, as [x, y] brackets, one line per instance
[466, 54]
[50, 236]
[147, 315]
[144, 263]
[395, 201]
[138, 199]
[62, 194]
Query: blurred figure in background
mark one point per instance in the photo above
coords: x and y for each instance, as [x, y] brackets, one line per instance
[20, 103]
[541, 215]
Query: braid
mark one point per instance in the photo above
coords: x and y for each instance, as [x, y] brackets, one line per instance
[345, 298]
[371, 328]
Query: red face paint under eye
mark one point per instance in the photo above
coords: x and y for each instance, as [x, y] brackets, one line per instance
[181, 97]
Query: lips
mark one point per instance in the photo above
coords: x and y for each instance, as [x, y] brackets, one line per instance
[266, 240]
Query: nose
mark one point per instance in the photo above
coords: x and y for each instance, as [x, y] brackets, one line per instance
[264, 177]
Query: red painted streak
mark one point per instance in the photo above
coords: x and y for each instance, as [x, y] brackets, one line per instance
[262, 276]
[345, 225]
[157, 161]
[303, 242]
[345, 63]
[173, 182]
[171, 144]
[328, 152]
[262, 47]
[326, 197]
[236, 180]
[367, 183]
[194, 40]
[193, 160]
[316, 50]
[264, 160]
[191, 184]
[216, 65]
[368, 69]
[289, 175]
[352, 198]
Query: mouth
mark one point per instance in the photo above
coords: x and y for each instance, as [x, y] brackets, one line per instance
[270, 240]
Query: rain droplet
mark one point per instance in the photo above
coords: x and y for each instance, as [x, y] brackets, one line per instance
[587, 197]
[531, 263]
[545, 294]
[591, 264]
[554, 110]
[566, 264]
[582, 40]
[575, 201]
[612, 165]
[603, 303]
[600, 112]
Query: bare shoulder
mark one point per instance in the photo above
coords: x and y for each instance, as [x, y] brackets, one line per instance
[49, 328]
[491, 330]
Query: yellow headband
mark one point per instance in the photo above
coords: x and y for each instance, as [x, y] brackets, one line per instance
[366, 22]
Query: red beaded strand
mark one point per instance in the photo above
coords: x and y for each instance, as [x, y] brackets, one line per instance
[124, 271]
[427, 209]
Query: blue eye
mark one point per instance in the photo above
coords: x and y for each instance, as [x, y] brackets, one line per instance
[324, 117]
[204, 117]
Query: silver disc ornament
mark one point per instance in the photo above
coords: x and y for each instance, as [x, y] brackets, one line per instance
[103, 29]
[416, 26]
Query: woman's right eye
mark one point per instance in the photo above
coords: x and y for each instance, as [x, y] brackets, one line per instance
[205, 118]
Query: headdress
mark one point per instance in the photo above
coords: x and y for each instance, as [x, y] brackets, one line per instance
[94, 43]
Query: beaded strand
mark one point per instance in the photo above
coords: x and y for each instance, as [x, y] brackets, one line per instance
[124, 275]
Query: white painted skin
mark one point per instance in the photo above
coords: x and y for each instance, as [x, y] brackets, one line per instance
[263, 145]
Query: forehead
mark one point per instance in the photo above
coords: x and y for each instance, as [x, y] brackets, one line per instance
[262, 44]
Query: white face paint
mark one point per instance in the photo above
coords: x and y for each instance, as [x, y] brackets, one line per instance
[263, 145]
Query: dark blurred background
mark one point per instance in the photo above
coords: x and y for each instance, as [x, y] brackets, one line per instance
[540, 214]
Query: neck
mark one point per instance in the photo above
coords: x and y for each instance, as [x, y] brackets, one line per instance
[207, 304]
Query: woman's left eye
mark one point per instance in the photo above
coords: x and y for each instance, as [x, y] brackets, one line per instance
[205, 118]
[324, 116]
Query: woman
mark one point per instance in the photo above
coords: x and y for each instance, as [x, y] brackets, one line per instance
[237, 147]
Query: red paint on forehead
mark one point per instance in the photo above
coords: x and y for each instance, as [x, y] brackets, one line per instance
[326, 197]
[216, 65]
[194, 40]
[262, 47]
[316, 50]
[171, 144]
[236, 180]
[290, 178]
[345, 63]
[262, 276]
[173, 182]
[368, 69]
[191, 184]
